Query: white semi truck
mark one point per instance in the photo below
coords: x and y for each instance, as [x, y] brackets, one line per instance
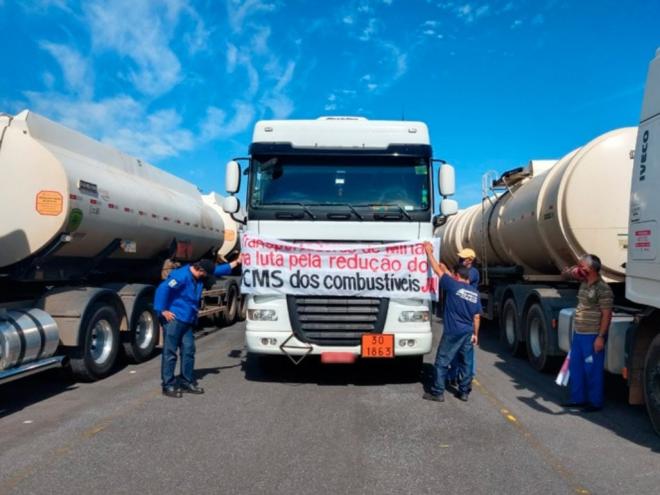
[536, 220]
[339, 180]
[85, 231]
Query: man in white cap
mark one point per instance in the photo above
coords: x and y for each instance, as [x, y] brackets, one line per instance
[466, 258]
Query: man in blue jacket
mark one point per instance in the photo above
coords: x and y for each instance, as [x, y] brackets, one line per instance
[461, 328]
[177, 302]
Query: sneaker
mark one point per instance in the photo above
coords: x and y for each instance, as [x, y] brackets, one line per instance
[589, 408]
[574, 405]
[433, 397]
[172, 391]
[462, 396]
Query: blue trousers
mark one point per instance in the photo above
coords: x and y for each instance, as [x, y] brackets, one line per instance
[452, 375]
[451, 346]
[178, 335]
[586, 371]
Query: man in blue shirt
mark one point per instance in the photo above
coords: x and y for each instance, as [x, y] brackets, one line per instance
[466, 257]
[177, 302]
[461, 328]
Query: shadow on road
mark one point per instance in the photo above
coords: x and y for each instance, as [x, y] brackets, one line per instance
[362, 373]
[17, 395]
[629, 422]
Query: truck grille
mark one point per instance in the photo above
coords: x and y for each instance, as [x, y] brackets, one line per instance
[337, 321]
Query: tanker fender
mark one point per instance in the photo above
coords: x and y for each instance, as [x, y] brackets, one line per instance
[69, 305]
[130, 294]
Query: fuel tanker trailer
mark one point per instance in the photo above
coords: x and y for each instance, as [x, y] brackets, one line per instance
[536, 220]
[85, 231]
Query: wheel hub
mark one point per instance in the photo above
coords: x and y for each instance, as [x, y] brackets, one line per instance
[102, 341]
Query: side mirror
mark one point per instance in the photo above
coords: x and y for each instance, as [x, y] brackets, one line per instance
[448, 207]
[446, 180]
[232, 177]
[231, 204]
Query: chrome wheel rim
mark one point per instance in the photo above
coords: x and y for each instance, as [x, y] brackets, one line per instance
[102, 341]
[145, 330]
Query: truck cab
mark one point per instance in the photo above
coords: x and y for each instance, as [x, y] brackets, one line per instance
[345, 180]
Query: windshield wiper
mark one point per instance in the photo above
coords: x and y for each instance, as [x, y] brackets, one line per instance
[302, 205]
[396, 205]
[348, 205]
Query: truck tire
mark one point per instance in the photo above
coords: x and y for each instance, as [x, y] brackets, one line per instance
[652, 382]
[537, 338]
[99, 339]
[232, 301]
[242, 308]
[143, 335]
[509, 327]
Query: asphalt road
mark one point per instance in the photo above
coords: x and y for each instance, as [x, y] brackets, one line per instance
[272, 428]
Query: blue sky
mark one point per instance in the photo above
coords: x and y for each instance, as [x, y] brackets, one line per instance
[181, 82]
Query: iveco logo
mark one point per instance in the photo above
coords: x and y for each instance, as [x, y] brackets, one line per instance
[642, 161]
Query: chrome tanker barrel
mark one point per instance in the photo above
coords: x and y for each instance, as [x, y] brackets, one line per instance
[26, 336]
[550, 216]
[68, 196]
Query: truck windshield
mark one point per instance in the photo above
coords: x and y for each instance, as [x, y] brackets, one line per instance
[400, 182]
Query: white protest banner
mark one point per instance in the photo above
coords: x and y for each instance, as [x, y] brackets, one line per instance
[399, 270]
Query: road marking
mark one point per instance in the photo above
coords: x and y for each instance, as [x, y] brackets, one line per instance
[545, 453]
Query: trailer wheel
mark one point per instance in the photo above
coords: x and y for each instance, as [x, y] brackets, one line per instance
[233, 302]
[143, 335]
[99, 338]
[652, 382]
[537, 337]
[509, 327]
[242, 308]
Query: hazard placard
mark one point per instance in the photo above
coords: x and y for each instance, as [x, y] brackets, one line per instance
[49, 203]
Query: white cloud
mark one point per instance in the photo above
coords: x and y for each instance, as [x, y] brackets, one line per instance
[469, 12]
[239, 11]
[348, 19]
[216, 125]
[372, 86]
[370, 30]
[286, 77]
[330, 107]
[516, 24]
[259, 41]
[232, 58]
[75, 69]
[141, 31]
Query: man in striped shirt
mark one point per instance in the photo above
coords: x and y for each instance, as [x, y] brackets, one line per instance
[592, 321]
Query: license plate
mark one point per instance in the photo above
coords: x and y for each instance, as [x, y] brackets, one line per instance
[378, 345]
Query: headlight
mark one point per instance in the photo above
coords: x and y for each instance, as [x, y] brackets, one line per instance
[413, 316]
[262, 315]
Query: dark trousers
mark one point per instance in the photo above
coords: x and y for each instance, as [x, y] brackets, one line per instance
[451, 346]
[178, 335]
[586, 371]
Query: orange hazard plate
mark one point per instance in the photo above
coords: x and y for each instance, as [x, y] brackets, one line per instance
[378, 345]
